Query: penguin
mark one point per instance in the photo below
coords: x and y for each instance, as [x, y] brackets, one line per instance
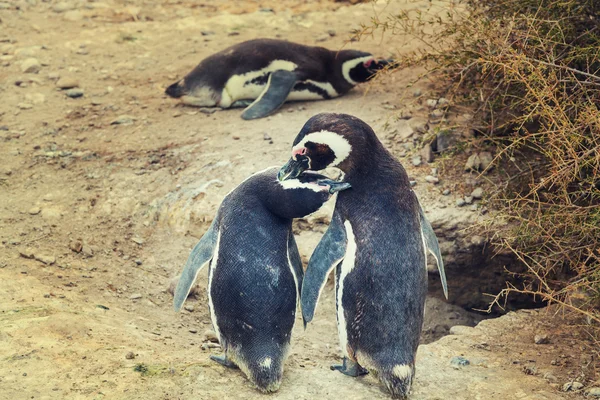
[376, 242]
[262, 74]
[255, 271]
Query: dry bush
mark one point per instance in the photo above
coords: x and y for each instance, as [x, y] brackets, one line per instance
[531, 70]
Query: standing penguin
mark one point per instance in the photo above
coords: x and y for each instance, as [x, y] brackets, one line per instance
[377, 239]
[262, 74]
[255, 271]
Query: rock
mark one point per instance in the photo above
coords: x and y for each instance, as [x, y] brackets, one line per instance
[331, 32]
[594, 392]
[485, 160]
[210, 336]
[442, 102]
[266, 136]
[188, 308]
[477, 193]
[431, 103]
[34, 210]
[460, 202]
[87, 251]
[419, 124]
[74, 93]
[468, 200]
[416, 161]
[417, 92]
[130, 355]
[137, 240]
[31, 66]
[123, 120]
[138, 262]
[62, 7]
[27, 253]
[446, 192]
[404, 130]
[432, 179]
[473, 163]
[67, 83]
[459, 361]
[76, 246]
[193, 330]
[550, 378]
[445, 140]
[135, 296]
[322, 38]
[437, 114]
[427, 153]
[572, 386]
[24, 106]
[412, 183]
[48, 260]
[541, 339]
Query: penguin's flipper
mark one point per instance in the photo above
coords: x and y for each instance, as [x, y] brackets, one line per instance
[329, 253]
[279, 86]
[198, 258]
[433, 246]
[295, 261]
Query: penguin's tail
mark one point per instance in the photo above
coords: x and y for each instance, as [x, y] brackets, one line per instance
[398, 379]
[176, 90]
[266, 373]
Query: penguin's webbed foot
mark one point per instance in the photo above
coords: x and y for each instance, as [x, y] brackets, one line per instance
[224, 361]
[350, 368]
[334, 186]
[241, 103]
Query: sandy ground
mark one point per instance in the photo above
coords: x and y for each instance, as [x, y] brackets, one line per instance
[103, 196]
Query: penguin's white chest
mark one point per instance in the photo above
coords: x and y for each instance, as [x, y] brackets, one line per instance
[347, 266]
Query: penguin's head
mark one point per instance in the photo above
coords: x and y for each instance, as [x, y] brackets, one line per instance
[358, 66]
[177, 89]
[331, 140]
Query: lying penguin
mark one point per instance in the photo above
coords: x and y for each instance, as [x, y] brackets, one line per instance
[255, 272]
[377, 239]
[262, 74]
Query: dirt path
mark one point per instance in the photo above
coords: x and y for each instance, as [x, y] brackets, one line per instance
[102, 197]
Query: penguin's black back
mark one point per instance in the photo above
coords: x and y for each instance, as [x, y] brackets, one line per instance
[315, 63]
[384, 294]
[253, 288]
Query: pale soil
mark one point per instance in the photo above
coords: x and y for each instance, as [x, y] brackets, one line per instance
[135, 193]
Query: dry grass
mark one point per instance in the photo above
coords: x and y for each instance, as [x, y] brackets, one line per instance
[531, 70]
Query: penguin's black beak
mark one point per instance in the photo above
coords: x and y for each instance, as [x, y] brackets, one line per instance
[382, 64]
[293, 168]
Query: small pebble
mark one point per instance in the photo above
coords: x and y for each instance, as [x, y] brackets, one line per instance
[188, 308]
[138, 262]
[446, 192]
[477, 193]
[468, 199]
[266, 136]
[34, 210]
[135, 296]
[67, 83]
[432, 179]
[572, 386]
[130, 355]
[460, 202]
[416, 161]
[541, 339]
[459, 361]
[431, 103]
[594, 392]
[74, 93]
[123, 120]
[209, 336]
[31, 66]
[413, 183]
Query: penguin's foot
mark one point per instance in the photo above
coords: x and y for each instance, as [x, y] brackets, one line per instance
[241, 103]
[350, 368]
[334, 186]
[224, 361]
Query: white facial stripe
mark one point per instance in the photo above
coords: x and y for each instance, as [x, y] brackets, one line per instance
[337, 143]
[296, 184]
[347, 266]
[348, 65]
[211, 306]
